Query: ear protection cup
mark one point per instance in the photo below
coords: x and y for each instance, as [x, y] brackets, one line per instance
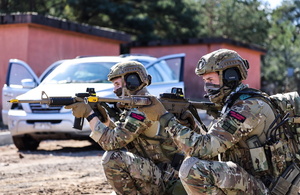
[133, 81]
[149, 79]
[231, 76]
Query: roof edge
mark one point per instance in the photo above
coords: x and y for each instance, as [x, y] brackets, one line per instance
[64, 25]
[209, 40]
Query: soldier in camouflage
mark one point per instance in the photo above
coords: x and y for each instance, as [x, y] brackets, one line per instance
[145, 167]
[228, 159]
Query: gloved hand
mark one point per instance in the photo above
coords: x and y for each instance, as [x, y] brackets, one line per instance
[187, 119]
[80, 109]
[101, 112]
[153, 111]
[165, 119]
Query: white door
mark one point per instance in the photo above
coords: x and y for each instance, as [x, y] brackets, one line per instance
[167, 72]
[19, 79]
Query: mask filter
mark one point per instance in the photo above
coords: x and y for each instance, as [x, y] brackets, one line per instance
[118, 92]
[211, 89]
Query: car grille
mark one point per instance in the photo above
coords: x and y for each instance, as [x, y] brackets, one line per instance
[44, 108]
[43, 121]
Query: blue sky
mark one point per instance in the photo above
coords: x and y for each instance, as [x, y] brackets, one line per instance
[274, 3]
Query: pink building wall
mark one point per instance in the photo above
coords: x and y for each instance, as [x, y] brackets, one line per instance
[57, 45]
[39, 46]
[193, 83]
[40, 41]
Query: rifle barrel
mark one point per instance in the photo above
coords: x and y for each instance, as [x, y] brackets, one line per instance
[45, 101]
[133, 100]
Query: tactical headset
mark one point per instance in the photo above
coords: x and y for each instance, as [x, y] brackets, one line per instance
[231, 76]
[133, 81]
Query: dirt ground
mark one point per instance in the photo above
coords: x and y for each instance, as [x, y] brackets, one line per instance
[57, 167]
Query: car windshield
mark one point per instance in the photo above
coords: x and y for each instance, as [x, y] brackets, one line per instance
[87, 72]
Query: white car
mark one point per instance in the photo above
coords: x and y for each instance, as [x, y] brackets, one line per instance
[30, 123]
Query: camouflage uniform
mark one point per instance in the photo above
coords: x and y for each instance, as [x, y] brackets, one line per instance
[226, 140]
[145, 168]
[220, 162]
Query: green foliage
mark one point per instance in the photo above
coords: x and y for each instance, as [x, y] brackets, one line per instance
[238, 20]
[53, 7]
[146, 20]
[283, 45]
[247, 21]
[161, 19]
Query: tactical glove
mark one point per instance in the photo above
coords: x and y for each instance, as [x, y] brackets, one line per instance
[187, 119]
[80, 109]
[100, 112]
[153, 111]
[165, 119]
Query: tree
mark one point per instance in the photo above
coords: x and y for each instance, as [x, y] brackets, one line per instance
[146, 20]
[53, 7]
[239, 20]
[283, 45]
[161, 19]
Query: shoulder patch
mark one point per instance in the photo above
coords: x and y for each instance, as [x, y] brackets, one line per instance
[237, 116]
[137, 116]
[228, 126]
[130, 127]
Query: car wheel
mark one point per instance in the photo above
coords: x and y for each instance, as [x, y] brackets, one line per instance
[25, 142]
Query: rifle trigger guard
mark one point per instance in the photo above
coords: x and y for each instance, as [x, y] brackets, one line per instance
[86, 100]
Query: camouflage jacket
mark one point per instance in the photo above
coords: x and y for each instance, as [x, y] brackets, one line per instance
[138, 135]
[227, 136]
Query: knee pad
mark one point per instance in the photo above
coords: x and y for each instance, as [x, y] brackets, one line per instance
[107, 156]
[186, 166]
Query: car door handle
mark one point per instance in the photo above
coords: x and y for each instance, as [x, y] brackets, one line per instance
[8, 94]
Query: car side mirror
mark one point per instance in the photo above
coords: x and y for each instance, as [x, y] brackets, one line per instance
[28, 83]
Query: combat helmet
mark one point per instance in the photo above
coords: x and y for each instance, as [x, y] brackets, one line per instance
[133, 73]
[229, 65]
[221, 60]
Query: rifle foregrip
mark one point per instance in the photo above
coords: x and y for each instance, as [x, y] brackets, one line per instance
[61, 101]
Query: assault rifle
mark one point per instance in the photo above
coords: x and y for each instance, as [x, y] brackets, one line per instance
[174, 102]
[68, 100]
[177, 104]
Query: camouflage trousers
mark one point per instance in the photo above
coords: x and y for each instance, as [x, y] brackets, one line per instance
[214, 177]
[128, 173]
